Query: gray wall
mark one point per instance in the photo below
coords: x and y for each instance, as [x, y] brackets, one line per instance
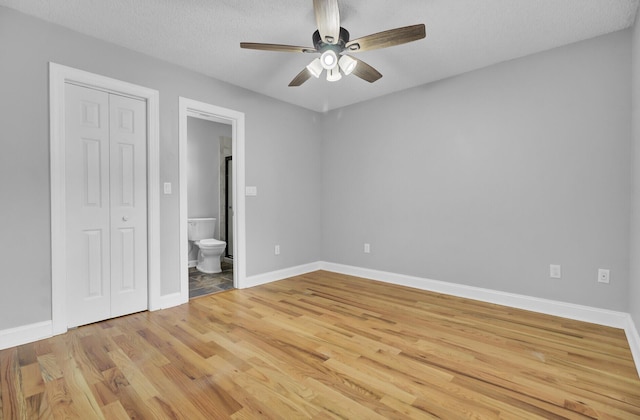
[487, 178]
[203, 167]
[282, 163]
[634, 284]
[482, 179]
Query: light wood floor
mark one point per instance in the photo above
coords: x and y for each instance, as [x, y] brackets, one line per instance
[325, 345]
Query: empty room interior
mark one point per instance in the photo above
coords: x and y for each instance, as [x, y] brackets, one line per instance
[320, 209]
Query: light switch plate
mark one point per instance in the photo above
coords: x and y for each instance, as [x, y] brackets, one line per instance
[167, 188]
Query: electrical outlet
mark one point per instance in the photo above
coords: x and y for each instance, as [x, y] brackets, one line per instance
[603, 275]
[555, 271]
[277, 249]
[367, 248]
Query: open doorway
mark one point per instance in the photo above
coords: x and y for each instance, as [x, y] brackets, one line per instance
[209, 202]
[209, 145]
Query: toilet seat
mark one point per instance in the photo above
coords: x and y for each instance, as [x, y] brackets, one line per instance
[210, 242]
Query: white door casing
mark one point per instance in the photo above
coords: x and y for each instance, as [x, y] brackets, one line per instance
[192, 108]
[230, 213]
[106, 205]
[59, 75]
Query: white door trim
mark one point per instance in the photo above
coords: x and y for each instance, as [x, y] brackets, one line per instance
[58, 76]
[192, 108]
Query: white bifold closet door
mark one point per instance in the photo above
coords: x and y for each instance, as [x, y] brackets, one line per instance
[106, 205]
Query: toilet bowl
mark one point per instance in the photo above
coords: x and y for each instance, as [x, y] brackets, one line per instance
[201, 231]
[209, 255]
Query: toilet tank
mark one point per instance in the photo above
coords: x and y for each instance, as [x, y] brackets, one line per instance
[201, 228]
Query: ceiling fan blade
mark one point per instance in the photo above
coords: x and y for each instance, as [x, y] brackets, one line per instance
[302, 77]
[327, 20]
[365, 71]
[388, 38]
[276, 47]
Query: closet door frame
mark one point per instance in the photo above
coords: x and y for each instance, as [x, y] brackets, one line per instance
[58, 76]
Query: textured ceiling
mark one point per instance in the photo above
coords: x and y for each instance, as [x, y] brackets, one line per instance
[462, 35]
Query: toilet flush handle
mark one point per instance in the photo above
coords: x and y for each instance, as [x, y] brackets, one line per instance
[125, 218]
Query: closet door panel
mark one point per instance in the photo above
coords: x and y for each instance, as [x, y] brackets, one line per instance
[87, 205]
[128, 205]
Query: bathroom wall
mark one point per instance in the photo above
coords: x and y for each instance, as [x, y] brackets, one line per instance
[27, 45]
[487, 178]
[203, 167]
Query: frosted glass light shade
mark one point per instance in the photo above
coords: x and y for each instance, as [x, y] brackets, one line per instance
[329, 59]
[334, 75]
[347, 64]
[315, 68]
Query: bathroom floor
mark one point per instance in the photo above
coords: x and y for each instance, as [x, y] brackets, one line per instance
[201, 284]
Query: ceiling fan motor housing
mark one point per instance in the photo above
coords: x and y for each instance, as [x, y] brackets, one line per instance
[338, 47]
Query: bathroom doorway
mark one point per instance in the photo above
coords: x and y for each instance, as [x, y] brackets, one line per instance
[208, 186]
[208, 148]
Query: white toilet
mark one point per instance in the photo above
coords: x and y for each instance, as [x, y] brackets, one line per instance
[201, 232]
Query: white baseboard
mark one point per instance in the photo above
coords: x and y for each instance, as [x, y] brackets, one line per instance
[264, 278]
[174, 299]
[599, 316]
[34, 332]
[12, 337]
[18, 336]
[634, 341]
[562, 309]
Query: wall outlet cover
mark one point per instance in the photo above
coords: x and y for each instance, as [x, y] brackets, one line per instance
[603, 275]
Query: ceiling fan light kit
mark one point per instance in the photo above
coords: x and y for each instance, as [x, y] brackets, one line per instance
[333, 75]
[329, 59]
[331, 41]
[347, 64]
[315, 68]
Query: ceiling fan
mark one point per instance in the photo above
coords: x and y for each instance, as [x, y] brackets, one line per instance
[332, 42]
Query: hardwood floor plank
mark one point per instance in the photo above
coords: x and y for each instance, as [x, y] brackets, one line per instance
[171, 398]
[49, 368]
[60, 401]
[26, 354]
[162, 410]
[134, 375]
[115, 411]
[13, 401]
[32, 382]
[327, 346]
